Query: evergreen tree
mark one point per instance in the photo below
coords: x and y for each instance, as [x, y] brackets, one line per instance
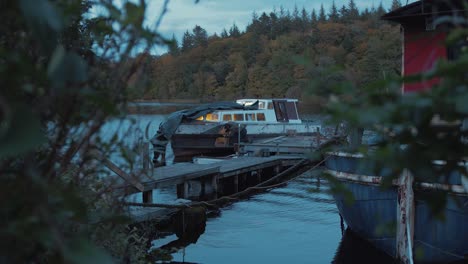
[284, 24]
[353, 12]
[366, 14]
[333, 15]
[344, 13]
[187, 42]
[200, 37]
[174, 46]
[274, 25]
[264, 25]
[295, 14]
[224, 33]
[322, 17]
[282, 12]
[296, 19]
[380, 10]
[254, 25]
[313, 17]
[305, 20]
[234, 31]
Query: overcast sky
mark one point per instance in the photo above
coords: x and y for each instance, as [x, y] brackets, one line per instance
[215, 15]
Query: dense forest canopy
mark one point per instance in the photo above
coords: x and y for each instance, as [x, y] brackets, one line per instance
[280, 54]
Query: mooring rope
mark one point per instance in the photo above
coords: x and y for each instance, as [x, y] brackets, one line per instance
[235, 196]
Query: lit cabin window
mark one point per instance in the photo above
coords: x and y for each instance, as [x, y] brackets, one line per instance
[227, 117]
[238, 117]
[200, 118]
[270, 105]
[250, 117]
[212, 117]
[260, 116]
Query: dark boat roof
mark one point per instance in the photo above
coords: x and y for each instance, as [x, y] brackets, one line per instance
[427, 8]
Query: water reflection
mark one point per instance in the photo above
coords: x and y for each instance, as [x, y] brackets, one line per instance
[297, 223]
[188, 224]
[353, 249]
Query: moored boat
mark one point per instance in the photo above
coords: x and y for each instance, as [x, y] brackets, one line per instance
[374, 212]
[399, 220]
[216, 129]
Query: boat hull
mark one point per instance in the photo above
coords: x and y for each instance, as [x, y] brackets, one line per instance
[208, 139]
[185, 147]
[373, 213]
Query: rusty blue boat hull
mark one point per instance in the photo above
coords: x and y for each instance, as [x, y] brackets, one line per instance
[373, 214]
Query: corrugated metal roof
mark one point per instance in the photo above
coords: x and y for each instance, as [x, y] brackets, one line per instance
[428, 8]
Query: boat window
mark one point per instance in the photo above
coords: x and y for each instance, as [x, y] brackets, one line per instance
[260, 116]
[200, 118]
[280, 111]
[270, 105]
[238, 117]
[212, 117]
[250, 117]
[261, 105]
[227, 117]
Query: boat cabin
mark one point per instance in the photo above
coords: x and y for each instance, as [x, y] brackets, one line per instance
[269, 111]
[425, 26]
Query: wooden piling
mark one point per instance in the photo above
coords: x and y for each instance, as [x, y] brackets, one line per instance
[236, 184]
[145, 155]
[214, 184]
[405, 218]
[147, 196]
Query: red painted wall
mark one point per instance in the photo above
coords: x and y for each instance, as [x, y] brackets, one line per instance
[421, 51]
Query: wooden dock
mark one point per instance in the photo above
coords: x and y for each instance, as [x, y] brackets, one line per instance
[284, 145]
[181, 172]
[196, 180]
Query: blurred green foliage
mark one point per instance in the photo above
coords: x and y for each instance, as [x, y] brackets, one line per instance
[65, 67]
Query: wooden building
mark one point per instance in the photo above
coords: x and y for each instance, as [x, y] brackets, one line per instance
[425, 26]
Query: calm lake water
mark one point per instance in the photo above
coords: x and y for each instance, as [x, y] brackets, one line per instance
[296, 223]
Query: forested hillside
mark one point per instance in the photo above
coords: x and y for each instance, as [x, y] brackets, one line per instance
[280, 54]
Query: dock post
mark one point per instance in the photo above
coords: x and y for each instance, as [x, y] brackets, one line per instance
[148, 196]
[214, 184]
[277, 169]
[405, 218]
[236, 184]
[185, 189]
[145, 156]
[317, 137]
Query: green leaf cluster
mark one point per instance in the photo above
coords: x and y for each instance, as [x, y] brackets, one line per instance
[63, 74]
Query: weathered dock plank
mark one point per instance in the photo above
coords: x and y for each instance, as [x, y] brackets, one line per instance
[245, 164]
[182, 172]
[298, 145]
[177, 173]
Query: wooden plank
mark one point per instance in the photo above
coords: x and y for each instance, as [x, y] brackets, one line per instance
[174, 178]
[182, 172]
[114, 168]
[271, 139]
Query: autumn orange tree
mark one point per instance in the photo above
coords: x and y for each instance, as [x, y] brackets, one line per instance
[281, 55]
